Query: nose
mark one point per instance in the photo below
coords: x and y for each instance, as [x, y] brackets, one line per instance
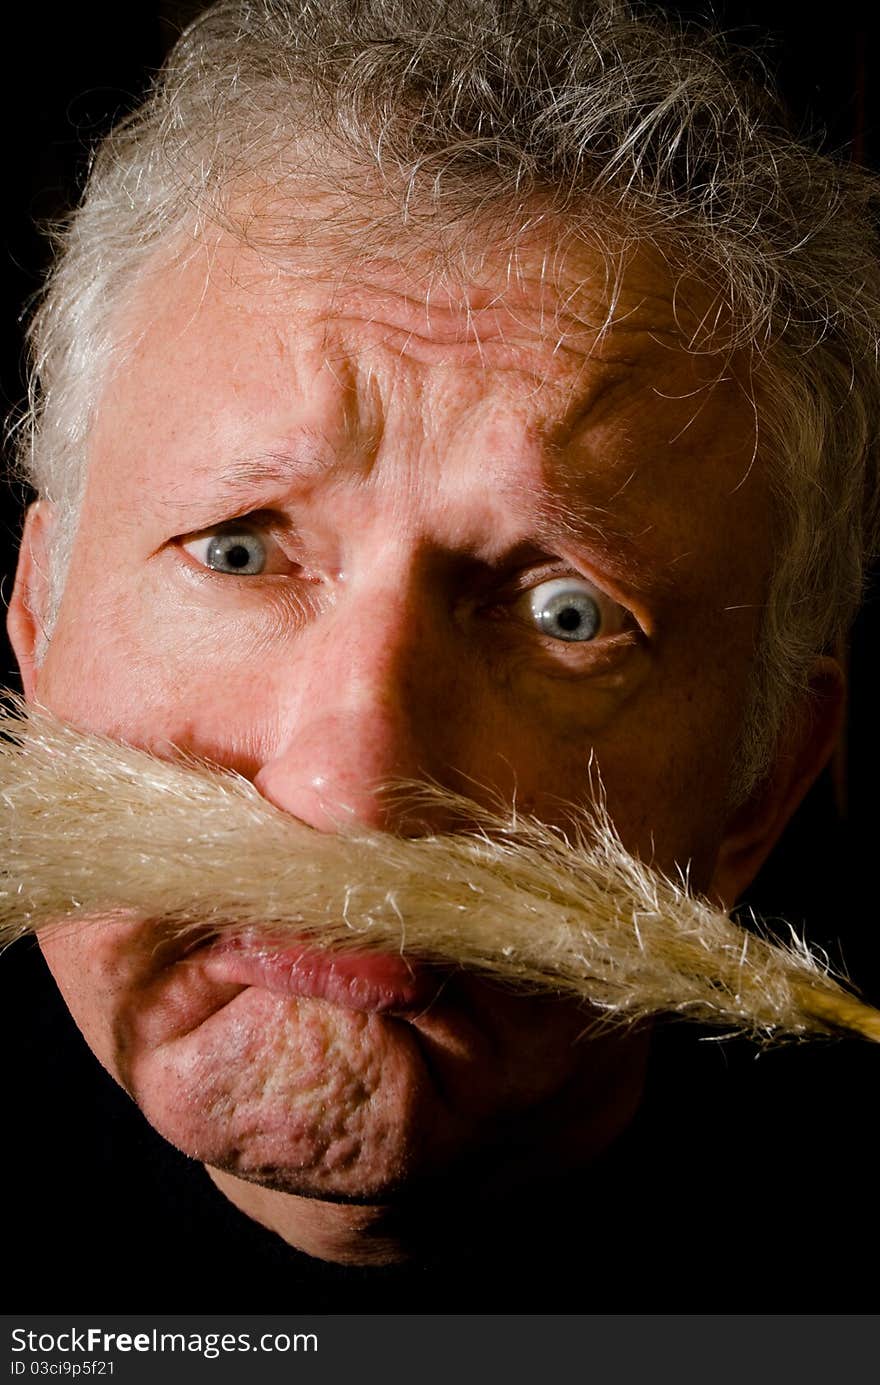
[370, 698]
[339, 768]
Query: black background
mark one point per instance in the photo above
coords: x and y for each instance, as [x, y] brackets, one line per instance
[73, 69]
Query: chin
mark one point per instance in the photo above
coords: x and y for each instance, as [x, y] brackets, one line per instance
[302, 1097]
[357, 1104]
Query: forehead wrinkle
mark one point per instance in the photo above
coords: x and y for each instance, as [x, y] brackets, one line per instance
[589, 395]
[537, 307]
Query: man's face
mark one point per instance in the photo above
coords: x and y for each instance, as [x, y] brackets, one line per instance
[336, 535]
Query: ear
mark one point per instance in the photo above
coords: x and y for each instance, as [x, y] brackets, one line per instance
[29, 606]
[805, 748]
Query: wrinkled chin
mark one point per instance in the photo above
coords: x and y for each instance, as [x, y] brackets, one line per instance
[296, 1095]
[302, 1095]
[306, 1098]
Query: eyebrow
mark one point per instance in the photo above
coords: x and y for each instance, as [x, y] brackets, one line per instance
[245, 483]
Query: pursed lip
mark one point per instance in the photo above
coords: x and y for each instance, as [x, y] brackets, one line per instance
[373, 982]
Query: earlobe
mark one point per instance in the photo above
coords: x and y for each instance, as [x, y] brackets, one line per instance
[805, 748]
[29, 605]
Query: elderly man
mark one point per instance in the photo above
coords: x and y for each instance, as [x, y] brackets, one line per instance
[466, 400]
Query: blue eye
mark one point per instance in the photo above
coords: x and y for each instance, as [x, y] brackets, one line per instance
[241, 553]
[566, 609]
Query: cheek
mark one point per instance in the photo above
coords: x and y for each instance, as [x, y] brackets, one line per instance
[92, 973]
[145, 671]
[665, 774]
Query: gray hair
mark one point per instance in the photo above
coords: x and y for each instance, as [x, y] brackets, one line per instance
[613, 122]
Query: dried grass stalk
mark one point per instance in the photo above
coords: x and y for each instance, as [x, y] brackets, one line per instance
[94, 827]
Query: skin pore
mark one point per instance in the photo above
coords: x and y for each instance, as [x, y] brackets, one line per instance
[324, 530]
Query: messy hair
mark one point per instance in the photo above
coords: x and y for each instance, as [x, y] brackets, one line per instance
[432, 117]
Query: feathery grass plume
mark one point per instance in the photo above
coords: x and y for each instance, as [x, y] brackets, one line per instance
[93, 827]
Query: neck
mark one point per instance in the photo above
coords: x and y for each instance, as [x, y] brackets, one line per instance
[346, 1233]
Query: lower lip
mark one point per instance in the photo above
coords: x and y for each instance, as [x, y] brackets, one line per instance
[372, 982]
